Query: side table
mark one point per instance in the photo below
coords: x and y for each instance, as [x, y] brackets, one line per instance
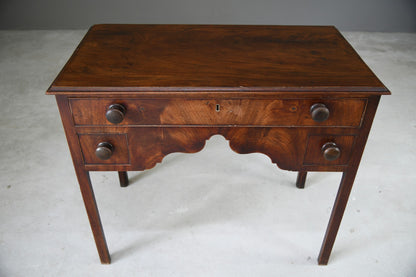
[131, 94]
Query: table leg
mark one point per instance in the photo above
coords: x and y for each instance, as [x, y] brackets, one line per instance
[124, 179]
[93, 215]
[300, 181]
[336, 215]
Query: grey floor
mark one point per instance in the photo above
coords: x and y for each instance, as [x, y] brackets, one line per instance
[214, 213]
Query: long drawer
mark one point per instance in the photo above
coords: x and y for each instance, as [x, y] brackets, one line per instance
[345, 112]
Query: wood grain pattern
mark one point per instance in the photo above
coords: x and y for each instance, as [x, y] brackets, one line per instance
[289, 148]
[220, 111]
[214, 57]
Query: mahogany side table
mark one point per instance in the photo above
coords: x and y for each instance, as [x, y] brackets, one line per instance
[131, 94]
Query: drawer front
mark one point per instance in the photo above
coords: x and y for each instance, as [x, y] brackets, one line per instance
[343, 112]
[315, 147]
[116, 143]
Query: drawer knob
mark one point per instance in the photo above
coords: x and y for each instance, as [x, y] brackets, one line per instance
[104, 150]
[115, 113]
[319, 112]
[331, 151]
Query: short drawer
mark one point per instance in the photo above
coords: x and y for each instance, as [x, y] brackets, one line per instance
[329, 149]
[343, 112]
[104, 148]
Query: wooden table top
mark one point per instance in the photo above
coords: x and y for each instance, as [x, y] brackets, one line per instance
[253, 58]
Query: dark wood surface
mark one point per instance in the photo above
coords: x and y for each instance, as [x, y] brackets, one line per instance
[124, 179]
[347, 181]
[301, 179]
[214, 57]
[84, 180]
[242, 112]
[145, 91]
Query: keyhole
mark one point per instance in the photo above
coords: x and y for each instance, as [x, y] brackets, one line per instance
[217, 107]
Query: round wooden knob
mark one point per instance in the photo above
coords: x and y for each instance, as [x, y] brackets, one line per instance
[331, 151]
[115, 113]
[319, 112]
[104, 151]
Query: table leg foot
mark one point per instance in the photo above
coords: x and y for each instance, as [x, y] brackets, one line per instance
[336, 215]
[93, 215]
[300, 181]
[124, 179]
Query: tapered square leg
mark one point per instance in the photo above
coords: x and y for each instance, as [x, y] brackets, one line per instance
[300, 181]
[336, 215]
[124, 179]
[93, 215]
